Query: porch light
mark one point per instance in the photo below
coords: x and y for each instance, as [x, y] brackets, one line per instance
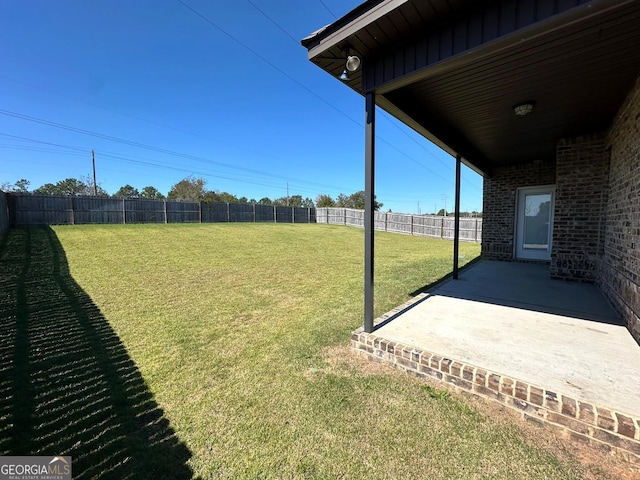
[353, 63]
[522, 109]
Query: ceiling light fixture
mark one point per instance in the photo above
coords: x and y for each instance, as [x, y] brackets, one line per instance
[524, 108]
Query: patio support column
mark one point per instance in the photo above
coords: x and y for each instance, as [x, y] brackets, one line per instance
[456, 228]
[369, 195]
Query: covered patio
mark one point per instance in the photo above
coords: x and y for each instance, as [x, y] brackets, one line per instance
[542, 98]
[506, 332]
[510, 318]
[554, 351]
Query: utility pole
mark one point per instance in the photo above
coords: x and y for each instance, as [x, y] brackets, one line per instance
[287, 194]
[95, 185]
[418, 207]
[445, 204]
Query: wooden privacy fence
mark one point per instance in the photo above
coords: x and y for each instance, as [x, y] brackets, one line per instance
[25, 209]
[428, 226]
[4, 213]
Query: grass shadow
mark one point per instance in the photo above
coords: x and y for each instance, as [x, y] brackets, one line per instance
[67, 384]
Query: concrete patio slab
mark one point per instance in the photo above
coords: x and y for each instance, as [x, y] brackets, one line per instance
[553, 349]
[511, 318]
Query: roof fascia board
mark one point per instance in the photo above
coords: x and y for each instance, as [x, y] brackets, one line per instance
[370, 16]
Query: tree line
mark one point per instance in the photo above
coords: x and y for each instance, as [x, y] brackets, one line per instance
[188, 189]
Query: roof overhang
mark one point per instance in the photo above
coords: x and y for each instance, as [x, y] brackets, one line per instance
[453, 69]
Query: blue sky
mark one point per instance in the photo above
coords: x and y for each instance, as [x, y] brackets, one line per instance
[160, 94]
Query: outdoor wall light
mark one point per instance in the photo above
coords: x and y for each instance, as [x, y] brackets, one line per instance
[522, 109]
[351, 65]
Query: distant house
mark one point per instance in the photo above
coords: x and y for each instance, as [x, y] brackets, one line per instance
[541, 97]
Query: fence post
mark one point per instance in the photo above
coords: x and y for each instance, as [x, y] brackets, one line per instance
[228, 213]
[275, 215]
[442, 227]
[200, 212]
[165, 211]
[411, 224]
[386, 221]
[73, 211]
[254, 213]
[344, 210]
[293, 214]
[124, 212]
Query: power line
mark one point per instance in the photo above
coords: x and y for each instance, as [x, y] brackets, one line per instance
[386, 116]
[328, 9]
[125, 114]
[152, 148]
[119, 158]
[272, 20]
[153, 122]
[271, 64]
[145, 162]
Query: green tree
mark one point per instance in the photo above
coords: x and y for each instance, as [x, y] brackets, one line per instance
[189, 188]
[342, 200]
[355, 200]
[21, 186]
[88, 187]
[68, 186]
[211, 196]
[127, 191]
[216, 196]
[151, 192]
[307, 203]
[228, 197]
[324, 201]
[294, 201]
[265, 201]
[71, 186]
[46, 189]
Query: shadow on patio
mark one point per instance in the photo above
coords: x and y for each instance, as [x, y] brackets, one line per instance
[67, 385]
[505, 331]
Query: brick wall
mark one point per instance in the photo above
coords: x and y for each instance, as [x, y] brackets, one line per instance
[619, 270]
[499, 204]
[582, 173]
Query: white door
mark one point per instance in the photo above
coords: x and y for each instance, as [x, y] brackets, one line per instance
[534, 223]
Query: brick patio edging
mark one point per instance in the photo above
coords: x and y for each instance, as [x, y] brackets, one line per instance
[580, 421]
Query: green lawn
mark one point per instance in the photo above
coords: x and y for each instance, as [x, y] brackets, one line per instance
[162, 351]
